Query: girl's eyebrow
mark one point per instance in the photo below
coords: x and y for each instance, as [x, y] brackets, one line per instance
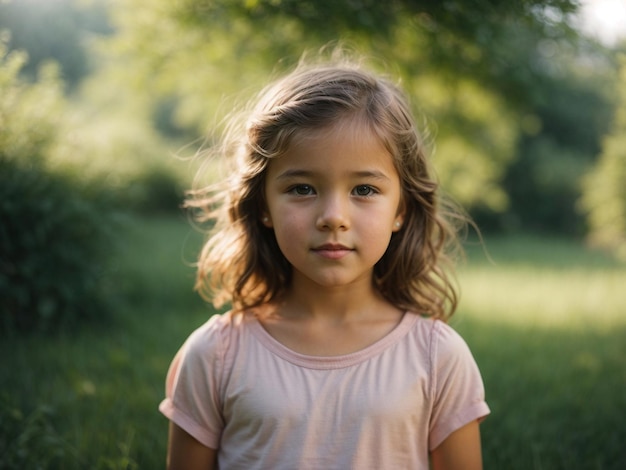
[294, 173]
[297, 173]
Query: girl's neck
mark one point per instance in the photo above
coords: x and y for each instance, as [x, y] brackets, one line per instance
[330, 322]
[335, 304]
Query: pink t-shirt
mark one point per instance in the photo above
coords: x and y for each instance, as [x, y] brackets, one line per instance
[263, 406]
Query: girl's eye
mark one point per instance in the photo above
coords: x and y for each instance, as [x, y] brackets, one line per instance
[302, 190]
[364, 190]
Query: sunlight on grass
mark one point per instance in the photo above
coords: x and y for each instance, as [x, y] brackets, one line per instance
[543, 284]
[546, 298]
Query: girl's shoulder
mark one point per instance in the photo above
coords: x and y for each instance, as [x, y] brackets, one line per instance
[217, 331]
[442, 340]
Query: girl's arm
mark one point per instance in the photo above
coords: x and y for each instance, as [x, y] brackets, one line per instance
[460, 451]
[184, 452]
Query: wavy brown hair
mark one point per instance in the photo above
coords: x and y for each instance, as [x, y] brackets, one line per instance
[241, 262]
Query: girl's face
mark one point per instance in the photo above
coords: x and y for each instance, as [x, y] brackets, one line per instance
[333, 201]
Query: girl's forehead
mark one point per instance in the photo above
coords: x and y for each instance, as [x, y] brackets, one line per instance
[347, 128]
[344, 147]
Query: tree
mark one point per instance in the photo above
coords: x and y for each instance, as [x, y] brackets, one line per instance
[46, 31]
[454, 57]
[29, 114]
[604, 196]
[54, 244]
[565, 118]
[504, 87]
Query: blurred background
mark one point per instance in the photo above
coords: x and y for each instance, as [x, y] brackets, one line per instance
[103, 104]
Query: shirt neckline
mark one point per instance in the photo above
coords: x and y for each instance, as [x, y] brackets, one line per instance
[330, 362]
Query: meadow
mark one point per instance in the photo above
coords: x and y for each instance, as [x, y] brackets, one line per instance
[544, 318]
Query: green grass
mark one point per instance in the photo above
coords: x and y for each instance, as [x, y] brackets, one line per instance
[89, 400]
[545, 321]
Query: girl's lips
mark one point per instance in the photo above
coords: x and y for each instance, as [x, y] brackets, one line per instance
[332, 251]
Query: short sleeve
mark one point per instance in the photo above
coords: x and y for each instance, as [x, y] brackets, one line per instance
[457, 388]
[193, 383]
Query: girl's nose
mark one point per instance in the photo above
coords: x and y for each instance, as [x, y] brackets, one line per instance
[333, 214]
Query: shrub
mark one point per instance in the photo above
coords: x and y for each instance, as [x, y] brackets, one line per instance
[153, 191]
[604, 190]
[54, 245]
[544, 184]
[116, 149]
[54, 240]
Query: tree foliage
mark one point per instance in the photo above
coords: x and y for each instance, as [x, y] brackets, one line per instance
[28, 113]
[604, 197]
[105, 133]
[52, 30]
[54, 243]
[453, 57]
[571, 112]
[513, 97]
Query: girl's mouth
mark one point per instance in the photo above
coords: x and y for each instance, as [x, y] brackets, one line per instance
[332, 250]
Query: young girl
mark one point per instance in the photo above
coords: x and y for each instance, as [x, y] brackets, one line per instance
[329, 243]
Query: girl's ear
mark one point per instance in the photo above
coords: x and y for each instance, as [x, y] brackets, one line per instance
[397, 224]
[267, 221]
[399, 220]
